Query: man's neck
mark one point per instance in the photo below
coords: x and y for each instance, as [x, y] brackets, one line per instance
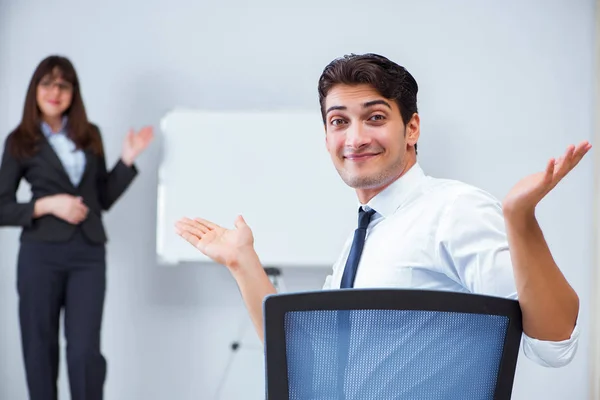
[365, 195]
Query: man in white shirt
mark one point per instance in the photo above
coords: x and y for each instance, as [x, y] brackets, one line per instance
[423, 233]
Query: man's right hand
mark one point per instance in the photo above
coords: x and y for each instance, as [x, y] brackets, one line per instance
[223, 246]
[64, 206]
[233, 248]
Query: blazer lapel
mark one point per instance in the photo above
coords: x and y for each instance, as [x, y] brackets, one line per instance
[48, 153]
[51, 157]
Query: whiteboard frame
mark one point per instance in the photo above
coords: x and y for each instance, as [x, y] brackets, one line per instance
[164, 197]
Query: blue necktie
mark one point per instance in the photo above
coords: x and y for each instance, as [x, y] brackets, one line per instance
[364, 217]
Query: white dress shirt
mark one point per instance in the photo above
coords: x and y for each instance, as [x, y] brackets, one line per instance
[440, 234]
[72, 159]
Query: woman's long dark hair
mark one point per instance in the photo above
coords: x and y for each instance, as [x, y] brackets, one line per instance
[25, 138]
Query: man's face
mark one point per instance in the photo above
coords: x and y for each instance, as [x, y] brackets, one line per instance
[365, 136]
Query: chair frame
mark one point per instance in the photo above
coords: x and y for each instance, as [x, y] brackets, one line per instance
[276, 306]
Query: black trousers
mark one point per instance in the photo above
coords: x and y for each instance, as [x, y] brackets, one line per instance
[52, 277]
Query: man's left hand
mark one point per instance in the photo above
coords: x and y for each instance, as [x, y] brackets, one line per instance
[529, 191]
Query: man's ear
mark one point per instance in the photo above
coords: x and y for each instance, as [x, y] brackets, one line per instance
[413, 130]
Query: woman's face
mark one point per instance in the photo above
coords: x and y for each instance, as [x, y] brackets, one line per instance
[54, 95]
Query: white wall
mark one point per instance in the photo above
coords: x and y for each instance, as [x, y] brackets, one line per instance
[167, 331]
[595, 332]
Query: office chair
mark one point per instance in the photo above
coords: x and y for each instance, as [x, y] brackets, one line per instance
[388, 344]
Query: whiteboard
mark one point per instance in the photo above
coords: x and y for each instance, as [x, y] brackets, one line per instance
[271, 167]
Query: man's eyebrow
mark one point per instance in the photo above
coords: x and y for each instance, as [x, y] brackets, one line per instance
[333, 108]
[365, 105]
[377, 102]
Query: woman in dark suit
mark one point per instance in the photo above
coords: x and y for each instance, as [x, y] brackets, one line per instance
[62, 261]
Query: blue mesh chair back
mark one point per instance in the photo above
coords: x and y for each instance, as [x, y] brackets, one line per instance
[390, 344]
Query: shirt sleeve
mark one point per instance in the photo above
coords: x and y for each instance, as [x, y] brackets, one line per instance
[327, 283]
[472, 248]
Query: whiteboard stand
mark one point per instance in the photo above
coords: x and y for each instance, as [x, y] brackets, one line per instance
[276, 278]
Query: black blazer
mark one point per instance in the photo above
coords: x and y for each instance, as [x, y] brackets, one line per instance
[46, 175]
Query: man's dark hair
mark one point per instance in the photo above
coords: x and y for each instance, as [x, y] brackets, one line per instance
[391, 80]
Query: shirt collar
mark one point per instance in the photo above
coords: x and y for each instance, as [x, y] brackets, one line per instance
[393, 197]
[48, 131]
